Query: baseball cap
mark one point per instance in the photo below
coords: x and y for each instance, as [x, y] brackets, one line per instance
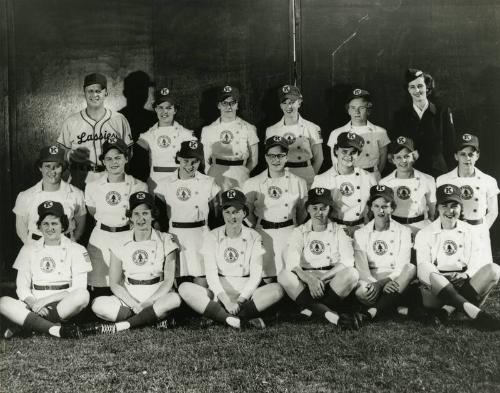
[139, 198]
[113, 143]
[289, 91]
[468, 140]
[400, 143]
[448, 193]
[319, 195]
[381, 191]
[50, 207]
[51, 154]
[95, 78]
[412, 73]
[233, 197]
[229, 91]
[164, 95]
[358, 93]
[191, 149]
[350, 139]
[276, 140]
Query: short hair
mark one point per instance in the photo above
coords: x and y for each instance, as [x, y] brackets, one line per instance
[63, 220]
[429, 83]
[460, 217]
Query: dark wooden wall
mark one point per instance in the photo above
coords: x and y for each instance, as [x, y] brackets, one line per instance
[194, 46]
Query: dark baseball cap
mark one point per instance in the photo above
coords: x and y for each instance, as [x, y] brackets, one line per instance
[229, 91]
[289, 91]
[233, 197]
[113, 143]
[191, 149]
[465, 140]
[51, 153]
[400, 143]
[358, 93]
[319, 195]
[164, 95]
[95, 79]
[50, 207]
[412, 73]
[381, 191]
[275, 140]
[448, 193]
[350, 139]
[139, 198]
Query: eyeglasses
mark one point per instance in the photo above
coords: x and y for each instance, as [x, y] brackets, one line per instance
[279, 156]
[227, 104]
[465, 154]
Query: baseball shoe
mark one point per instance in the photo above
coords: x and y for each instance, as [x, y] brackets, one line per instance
[167, 323]
[351, 321]
[442, 316]
[487, 322]
[11, 332]
[70, 331]
[205, 322]
[257, 323]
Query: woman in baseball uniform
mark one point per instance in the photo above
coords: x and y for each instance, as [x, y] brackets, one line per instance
[51, 164]
[107, 200]
[190, 197]
[233, 265]
[164, 139]
[230, 143]
[51, 277]
[429, 125]
[319, 272]
[382, 251]
[276, 204]
[449, 265]
[349, 185]
[414, 191]
[479, 191]
[305, 154]
[373, 157]
[141, 274]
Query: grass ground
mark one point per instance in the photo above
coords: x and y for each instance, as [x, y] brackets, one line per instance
[292, 356]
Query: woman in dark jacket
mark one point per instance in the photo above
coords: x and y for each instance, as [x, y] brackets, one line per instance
[428, 124]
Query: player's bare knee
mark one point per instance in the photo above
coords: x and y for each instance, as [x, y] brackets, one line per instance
[345, 281]
[5, 303]
[409, 271]
[491, 271]
[82, 298]
[186, 290]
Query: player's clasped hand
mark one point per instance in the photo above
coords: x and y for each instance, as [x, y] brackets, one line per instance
[373, 290]
[457, 279]
[316, 287]
[391, 287]
[232, 308]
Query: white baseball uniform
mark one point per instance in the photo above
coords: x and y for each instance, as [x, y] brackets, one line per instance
[411, 197]
[225, 142]
[164, 143]
[233, 265]
[375, 138]
[41, 267]
[301, 137]
[188, 203]
[143, 261]
[70, 197]
[475, 192]
[275, 200]
[111, 201]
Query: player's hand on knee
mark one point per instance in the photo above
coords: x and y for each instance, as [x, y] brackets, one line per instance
[391, 287]
[458, 279]
[137, 308]
[373, 290]
[44, 312]
[38, 305]
[316, 287]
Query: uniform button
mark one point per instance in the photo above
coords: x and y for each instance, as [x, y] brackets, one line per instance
[152, 252]
[358, 187]
[476, 199]
[357, 174]
[242, 252]
[475, 210]
[123, 218]
[460, 245]
[286, 190]
[244, 240]
[237, 132]
[390, 253]
[284, 218]
[414, 189]
[359, 200]
[392, 241]
[392, 266]
[300, 136]
[367, 155]
[299, 158]
[237, 142]
[357, 214]
[298, 147]
[196, 192]
[286, 204]
[367, 142]
[196, 207]
[477, 188]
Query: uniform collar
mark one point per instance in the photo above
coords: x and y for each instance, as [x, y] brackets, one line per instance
[222, 233]
[174, 176]
[416, 175]
[369, 125]
[157, 126]
[371, 226]
[129, 236]
[64, 187]
[436, 226]
[87, 118]
[40, 243]
[300, 122]
[307, 227]
[454, 173]
[263, 177]
[104, 179]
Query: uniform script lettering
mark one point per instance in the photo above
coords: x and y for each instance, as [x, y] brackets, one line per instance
[83, 137]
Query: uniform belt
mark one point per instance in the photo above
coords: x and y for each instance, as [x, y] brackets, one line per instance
[222, 275]
[195, 224]
[275, 225]
[164, 169]
[454, 271]
[479, 221]
[228, 162]
[115, 229]
[144, 282]
[318, 268]
[50, 287]
[303, 164]
[371, 169]
[87, 167]
[348, 223]
[408, 220]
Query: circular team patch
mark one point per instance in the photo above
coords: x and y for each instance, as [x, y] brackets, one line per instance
[47, 265]
[113, 198]
[226, 137]
[290, 138]
[274, 192]
[163, 141]
[183, 193]
[231, 255]
[449, 247]
[346, 189]
[317, 247]
[403, 192]
[467, 192]
[379, 247]
[140, 257]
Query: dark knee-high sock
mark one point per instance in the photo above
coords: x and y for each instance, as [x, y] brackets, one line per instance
[387, 302]
[450, 296]
[305, 300]
[216, 312]
[53, 315]
[468, 292]
[145, 317]
[331, 298]
[123, 314]
[248, 310]
[36, 323]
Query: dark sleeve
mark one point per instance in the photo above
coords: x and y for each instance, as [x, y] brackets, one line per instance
[449, 138]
